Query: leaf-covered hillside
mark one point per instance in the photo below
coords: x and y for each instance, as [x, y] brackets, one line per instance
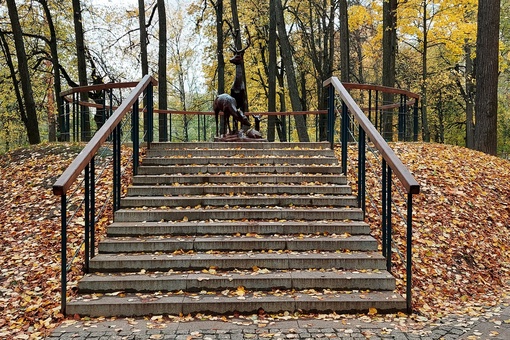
[461, 236]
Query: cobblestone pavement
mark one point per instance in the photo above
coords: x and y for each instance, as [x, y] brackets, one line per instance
[493, 323]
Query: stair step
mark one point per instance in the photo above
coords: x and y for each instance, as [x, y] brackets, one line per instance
[269, 189]
[220, 201]
[261, 280]
[283, 260]
[238, 243]
[280, 301]
[239, 146]
[256, 159]
[239, 169]
[238, 227]
[276, 213]
[338, 179]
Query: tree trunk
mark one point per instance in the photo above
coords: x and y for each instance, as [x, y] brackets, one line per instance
[143, 56]
[162, 82]
[470, 125]
[344, 42]
[286, 51]
[389, 56]
[218, 7]
[57, 86]
[271, 74]
[82, 69]
[31, 123]
[424, 79]
[487, 54]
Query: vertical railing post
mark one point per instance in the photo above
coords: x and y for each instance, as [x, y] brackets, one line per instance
[361, 170]
[377, 117]
[415, 120]
[345, 136]
[401, 119]
[384, 210]
[63, 253]
[388, 219]
[87, 218]
[76, 118]
[409, 255]
[116, 167]
[92, 207]
[135, 138]
[331, 116]
[67, 120]
[150, 115]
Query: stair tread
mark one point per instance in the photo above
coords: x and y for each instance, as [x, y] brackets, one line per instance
[225, 227]
[305, 301]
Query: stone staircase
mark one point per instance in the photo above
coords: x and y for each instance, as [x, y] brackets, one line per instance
[237, 228]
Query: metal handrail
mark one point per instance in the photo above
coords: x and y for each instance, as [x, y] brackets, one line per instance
[85, 162]
[390, 162]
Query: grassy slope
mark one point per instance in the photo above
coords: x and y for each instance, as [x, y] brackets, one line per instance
[461, 237]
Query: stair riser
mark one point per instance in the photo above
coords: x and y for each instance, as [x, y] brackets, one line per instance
[186, 263]
[238, 161]
[220, 284]
[236, 180]
[240, 189]
[118, 229]
[240, 154]
[169, 246]
[237, 214]
[242, 201]
[175, 305]
[211, 169]
[228, 145]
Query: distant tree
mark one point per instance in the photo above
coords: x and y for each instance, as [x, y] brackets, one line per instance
[29, 117]
[56, 65]
[486, 71]
[344, 41]
[389, 51]
[286, 51]
[162, 78]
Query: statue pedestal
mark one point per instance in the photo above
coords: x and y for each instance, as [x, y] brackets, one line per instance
[240, 136]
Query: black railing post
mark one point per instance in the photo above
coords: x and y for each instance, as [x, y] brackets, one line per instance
[135, 138]
[76, 118]
[361, 170]
[409, 255]
[401, 119]
[116, 167]
[63, 253]
[67, 120]
[92, 207]
[87, 218]
[150, 115]
[415, 120]
[388, 218]
[345, 136]
[383, 208]
[331, 116]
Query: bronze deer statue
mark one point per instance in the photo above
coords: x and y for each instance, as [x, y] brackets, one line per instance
[238, 89]
[227, 104]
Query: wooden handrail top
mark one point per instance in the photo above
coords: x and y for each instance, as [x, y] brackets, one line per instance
[380, 88]
[72, 172]
[403, 174]
[98, 87]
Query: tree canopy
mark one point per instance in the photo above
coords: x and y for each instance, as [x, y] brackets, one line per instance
[434, 46]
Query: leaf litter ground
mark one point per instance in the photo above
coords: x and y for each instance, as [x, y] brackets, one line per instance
[461, 238]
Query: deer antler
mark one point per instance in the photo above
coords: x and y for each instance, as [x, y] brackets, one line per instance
[235, 35]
